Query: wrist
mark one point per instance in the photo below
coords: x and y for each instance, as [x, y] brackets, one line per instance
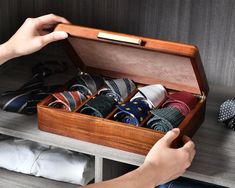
[11, 52]
[149, 174]
[6, 52]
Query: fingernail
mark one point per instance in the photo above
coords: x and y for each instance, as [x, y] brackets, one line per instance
[61, 34]
[176, 130]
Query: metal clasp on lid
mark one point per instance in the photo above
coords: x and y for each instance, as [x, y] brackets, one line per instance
[202, 97]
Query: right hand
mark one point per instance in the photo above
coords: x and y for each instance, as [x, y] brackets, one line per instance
[168, 163]
[31, 36]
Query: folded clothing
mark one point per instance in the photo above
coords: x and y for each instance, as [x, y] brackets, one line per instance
[46, 161]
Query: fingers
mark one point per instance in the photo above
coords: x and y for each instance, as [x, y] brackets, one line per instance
[49, 19]
[189, 147]
[54, 36]
[171, 136]
[188, 143]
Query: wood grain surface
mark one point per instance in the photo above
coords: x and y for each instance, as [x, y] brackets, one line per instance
[209, 24]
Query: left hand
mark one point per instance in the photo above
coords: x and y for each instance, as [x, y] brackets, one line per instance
[31, 36]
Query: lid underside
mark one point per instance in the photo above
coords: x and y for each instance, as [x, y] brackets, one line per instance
[142, 65]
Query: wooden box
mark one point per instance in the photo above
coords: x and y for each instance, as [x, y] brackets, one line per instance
[146, 61]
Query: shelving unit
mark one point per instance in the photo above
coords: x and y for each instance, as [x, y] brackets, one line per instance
[18, 180]
[214, 162]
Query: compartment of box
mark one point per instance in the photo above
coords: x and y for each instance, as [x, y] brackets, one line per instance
[176, 66]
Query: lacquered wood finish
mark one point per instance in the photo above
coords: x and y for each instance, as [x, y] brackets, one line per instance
[108, 132]
[164, 47]
[105, 131]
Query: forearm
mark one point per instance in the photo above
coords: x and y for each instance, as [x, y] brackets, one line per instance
[139, 178]
[6, 53]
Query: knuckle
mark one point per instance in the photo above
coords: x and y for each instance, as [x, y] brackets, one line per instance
[52, 15]
[29, 20]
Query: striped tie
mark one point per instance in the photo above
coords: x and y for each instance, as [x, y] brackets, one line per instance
[24, 100]
[67, 100]
[87, 84]
[119, 89]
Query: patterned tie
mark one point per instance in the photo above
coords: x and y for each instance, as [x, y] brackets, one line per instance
[165, 119]
[182, 100]
[227, 113]
[119, 89]
[132, 112]
[24, 100]
[155, 94]
[67, 100]
[100, 106]
[87, 84]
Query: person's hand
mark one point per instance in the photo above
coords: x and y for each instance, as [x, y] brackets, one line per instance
[165, 163]
[32, 36]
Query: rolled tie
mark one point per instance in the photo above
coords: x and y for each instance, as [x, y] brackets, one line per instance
[100, 106]
[227, 113]
[121, 88]
[67, 100]
[82, 89]
[165, 119]
[183, 101]
[132, 112]
[155, 94]
[110, 93]
[87, 84]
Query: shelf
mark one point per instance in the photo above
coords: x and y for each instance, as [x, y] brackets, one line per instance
[214, 161]
[12, 180]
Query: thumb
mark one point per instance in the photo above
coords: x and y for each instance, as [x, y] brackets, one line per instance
[54, 36]
[171, 136]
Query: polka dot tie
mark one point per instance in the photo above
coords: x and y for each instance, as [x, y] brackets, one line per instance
[132, 112]
[227, 113]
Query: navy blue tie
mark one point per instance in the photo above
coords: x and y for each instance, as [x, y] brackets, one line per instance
[25, 99]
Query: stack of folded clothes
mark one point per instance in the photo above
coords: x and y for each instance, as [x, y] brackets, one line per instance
[46, 161]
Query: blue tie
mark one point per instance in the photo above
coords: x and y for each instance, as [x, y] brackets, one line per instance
[24, 100]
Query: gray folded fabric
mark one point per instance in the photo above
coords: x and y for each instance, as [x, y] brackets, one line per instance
[46, 161]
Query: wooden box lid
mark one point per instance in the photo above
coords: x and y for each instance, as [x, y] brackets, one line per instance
[144, 60]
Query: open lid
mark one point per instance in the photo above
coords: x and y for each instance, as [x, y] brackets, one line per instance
[144, 60]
